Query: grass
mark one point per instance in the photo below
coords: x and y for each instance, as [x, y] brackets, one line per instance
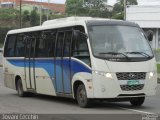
[158, 68]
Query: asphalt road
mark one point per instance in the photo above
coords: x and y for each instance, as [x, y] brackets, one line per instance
[40, 104]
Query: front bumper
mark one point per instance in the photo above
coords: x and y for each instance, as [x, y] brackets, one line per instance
[110, 88]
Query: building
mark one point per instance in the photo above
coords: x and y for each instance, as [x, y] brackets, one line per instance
[54, 7]
[148, 18]
[6, 4]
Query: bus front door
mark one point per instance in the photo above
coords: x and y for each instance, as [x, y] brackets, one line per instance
[29, 64]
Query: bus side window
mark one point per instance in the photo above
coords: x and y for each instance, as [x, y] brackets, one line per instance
[80, 50]
[59, 44]
[10, 46]
[19, 47]
[49, 37]
[67, 44]
[41, 45]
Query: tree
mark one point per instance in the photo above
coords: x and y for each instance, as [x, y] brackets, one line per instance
[75, 7]
[25, 18]
[97, 8]
[118, 8]
[94, 8]
[34, 18]
[95, 3]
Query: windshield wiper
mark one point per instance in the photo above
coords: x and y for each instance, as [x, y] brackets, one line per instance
[141, 53]
[115, 53]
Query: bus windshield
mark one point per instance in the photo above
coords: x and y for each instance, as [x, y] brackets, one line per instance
[119, 42]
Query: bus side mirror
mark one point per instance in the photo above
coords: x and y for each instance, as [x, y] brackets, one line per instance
[79, 35]
[149, 35]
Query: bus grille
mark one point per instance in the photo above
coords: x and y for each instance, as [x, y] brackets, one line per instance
[132, 87]
[131, 75]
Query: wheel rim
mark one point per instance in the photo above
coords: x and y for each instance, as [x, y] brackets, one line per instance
[82, 96]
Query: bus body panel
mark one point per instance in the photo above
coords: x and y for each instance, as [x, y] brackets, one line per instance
[44, 84]
[10, 74]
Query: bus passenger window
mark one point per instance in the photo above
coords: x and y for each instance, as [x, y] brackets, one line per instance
[41, 45]
[67, 42]
[9, 47]
[80, 50]
[59, 44]
[49, 37]
[19, 50]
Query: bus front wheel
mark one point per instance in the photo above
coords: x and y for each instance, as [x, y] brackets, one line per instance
[137, 101]
[20, 91]
[82, 99]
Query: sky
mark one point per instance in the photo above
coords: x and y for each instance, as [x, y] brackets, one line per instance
[112, 2]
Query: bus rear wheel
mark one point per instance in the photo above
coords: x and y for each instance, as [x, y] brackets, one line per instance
[137, 101]
[20, 91]
[82, 99]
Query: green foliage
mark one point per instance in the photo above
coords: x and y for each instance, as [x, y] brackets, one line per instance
[95, 3]
[3, 32]
[8, 14]
[9, 17]
[157, 50]
[34, 18]
[132, 2]
[94, 8]
[25, 19]
[75, 7]
[118, 16]
[158, 68]
[118, 8]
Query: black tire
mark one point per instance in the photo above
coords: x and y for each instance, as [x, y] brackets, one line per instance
[82, 99]
[20, 91]
[137, 101]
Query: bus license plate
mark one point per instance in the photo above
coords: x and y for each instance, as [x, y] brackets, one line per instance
[133, 82]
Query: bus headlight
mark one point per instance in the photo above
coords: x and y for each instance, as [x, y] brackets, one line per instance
[151, 75]
[107, 75]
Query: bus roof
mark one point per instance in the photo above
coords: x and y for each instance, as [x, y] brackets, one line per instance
[58, 23]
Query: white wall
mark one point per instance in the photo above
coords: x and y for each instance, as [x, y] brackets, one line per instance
[145, 16]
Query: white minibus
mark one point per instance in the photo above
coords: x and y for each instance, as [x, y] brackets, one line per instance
[83, 58]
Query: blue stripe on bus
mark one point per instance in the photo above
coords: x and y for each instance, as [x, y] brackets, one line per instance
[48, 66]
